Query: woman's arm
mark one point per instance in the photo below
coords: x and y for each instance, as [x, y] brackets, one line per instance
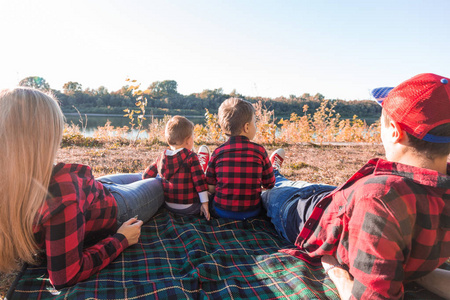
[67, 260]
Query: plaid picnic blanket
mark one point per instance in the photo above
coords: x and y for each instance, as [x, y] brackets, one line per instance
[191, 258]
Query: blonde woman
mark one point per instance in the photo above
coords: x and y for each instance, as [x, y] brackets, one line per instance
[61, 210]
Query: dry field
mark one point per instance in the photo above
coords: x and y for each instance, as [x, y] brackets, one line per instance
[331, 164]
[322, 164]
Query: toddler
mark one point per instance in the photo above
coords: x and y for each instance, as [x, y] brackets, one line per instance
[238, 168]
[183, 179]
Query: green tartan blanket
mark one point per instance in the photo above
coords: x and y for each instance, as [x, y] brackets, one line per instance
[191, 258]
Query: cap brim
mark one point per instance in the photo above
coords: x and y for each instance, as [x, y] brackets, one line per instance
[381, 93]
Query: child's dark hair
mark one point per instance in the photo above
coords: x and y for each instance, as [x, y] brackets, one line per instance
[431, 150]
[178, 129]
[233, 114]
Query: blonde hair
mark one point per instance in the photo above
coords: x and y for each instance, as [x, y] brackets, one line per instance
[178, 129]
[31, 127]
[233, 114]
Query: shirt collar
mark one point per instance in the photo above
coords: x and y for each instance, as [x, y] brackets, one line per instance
[419, 175]
[170, 152]
[239, 138]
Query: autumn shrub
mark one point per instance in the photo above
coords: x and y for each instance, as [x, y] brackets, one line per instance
[356, 130]
[155, 130]
[323, 126]
[112, 135]
[324, 123]
[72, 136]
[209, 133]
[265, 125]
[295, 128]
[326, 126]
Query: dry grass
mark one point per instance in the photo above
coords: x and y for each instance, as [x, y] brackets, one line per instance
[326, 164]
[322, 164]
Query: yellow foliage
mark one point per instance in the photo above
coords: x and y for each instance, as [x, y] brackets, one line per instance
[321, 127]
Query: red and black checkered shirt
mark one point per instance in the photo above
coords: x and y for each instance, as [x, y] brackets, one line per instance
[238, 169]
[183, 177]
[77, 226]
[388, 223]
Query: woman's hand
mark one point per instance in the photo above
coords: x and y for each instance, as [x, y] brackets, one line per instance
[131, 229]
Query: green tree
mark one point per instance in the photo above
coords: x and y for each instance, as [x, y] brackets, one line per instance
[124, 91]
[102, 90]
[306, 96]
[236, 94]
[211, 94]
[319, 97]
[35, 82]
[161, 89]
[72, 87]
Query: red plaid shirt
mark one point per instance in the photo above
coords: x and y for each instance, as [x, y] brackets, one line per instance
[183, 177]
[238, 169]
[388, 223]
[77, 226]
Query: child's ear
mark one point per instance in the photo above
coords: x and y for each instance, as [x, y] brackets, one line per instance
[246, 127]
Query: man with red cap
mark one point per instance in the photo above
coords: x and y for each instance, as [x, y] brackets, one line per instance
[390, 222]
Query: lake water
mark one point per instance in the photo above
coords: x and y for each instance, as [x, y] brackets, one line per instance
[94, 121]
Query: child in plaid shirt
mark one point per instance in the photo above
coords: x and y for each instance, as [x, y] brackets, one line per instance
[183, 179]
[238, 168]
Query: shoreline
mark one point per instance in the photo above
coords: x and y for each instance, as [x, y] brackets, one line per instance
[120, 115]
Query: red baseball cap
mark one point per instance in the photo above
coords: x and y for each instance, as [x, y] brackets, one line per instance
[419, 104]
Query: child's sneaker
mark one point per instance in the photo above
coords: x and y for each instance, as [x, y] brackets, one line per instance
[203, 156]
[277, 158]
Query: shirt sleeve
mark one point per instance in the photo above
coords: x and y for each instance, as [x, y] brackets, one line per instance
[211, 171]
[268, 177]
[151, 171]
[67, 261]
[198, 176]
[375, 251]
[203, 197]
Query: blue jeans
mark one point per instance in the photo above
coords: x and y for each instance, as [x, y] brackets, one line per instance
[134, 195]
[290, 203]
[235, 215]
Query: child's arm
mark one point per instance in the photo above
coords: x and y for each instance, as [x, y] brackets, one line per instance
[211, 179]
[199, 180]
[268, 177]
[151, 171]
[205, 202]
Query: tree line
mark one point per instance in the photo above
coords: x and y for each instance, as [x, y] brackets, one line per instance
[163, 98]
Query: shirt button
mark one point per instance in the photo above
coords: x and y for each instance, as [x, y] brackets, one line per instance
[309, 224]
[320, 205]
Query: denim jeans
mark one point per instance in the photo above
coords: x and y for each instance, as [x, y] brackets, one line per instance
[134, 195]
[288, 197]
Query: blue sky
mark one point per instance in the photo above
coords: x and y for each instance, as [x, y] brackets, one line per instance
[340, 49]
